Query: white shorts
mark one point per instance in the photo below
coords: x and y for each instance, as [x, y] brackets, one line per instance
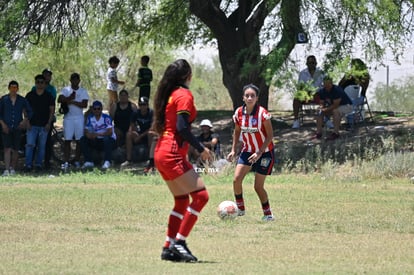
[73, 127]
[344, 109]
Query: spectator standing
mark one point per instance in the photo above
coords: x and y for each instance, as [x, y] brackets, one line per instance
[121, 113]
[311, 79]
[13, 107]
[76, 99]
[357, 75]
[139, 128]
[144, 78]
[252, 122]
[47, 74]
[99, 134]
[43, 106]
[112, 81]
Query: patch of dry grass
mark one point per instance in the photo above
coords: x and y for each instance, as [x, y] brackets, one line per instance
[115, 224]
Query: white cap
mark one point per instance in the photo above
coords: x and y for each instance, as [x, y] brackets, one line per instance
[206, 122]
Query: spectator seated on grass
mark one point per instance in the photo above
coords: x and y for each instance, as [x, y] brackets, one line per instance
[121, 113]
[138, 132]
[209, 139]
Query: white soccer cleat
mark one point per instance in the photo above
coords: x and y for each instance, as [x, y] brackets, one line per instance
[106, 164]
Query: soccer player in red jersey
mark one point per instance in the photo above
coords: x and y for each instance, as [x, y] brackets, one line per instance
[252, 122]
[174, 112]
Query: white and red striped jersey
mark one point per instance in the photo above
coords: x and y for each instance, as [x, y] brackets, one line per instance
[253, 132]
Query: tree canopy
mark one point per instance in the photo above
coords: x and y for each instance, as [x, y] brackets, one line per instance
[254, 38]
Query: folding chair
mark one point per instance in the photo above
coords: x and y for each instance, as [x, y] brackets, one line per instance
[371, 117]
[358, 112]
[354, 91]
[309, 109]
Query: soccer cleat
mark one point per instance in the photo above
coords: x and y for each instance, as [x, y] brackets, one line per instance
[296, 124]
[6, 173]
[180, 249]
[12, 172]
[168, 255]
[241, 212]
[268, 218]
[88, 164]
[106, 164]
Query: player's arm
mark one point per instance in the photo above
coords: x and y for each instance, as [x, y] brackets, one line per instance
[184, 130]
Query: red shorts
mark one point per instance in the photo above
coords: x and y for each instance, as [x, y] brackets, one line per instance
[171, 165]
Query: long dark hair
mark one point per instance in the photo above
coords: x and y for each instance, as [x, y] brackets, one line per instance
[174, 76]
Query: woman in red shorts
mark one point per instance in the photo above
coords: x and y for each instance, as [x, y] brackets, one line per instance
[174, 112]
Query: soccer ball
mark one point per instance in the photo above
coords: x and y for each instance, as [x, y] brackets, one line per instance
[227, 210]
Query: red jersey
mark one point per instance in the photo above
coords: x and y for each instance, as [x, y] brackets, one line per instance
[171, 151]
[253, 132]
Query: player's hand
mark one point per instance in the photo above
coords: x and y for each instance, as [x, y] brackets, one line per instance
[254, 157]
[230, 156]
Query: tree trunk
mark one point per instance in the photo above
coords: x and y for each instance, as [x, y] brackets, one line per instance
[239, 43]
[234, 80]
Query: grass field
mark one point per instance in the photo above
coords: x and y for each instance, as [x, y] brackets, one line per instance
[115, 223]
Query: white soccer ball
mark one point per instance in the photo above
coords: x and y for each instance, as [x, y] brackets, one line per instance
[227, 210]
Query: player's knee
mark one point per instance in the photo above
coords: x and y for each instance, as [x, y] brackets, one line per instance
[200, 197]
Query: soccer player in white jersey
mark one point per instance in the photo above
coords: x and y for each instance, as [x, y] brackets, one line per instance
[254, 128]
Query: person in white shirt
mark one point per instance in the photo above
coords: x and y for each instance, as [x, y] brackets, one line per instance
[112, 81]
[76, 98]
[312, 76]
[98, 134]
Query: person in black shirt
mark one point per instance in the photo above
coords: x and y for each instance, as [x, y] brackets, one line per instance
[43, 106]
[121, 113]
[138, 132]
[144, 78]
[357, 75]
[333, 101]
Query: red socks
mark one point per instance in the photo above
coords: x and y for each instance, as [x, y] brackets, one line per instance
[176, 216]
[239, 201]
[199, 200]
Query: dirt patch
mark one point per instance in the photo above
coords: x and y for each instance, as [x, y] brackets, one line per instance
[382, 124]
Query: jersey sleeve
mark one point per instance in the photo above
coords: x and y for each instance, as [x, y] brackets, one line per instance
[266, 115]
[184, 103]
[235, 117]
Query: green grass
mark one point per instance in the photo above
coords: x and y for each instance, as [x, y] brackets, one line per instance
[114, 223]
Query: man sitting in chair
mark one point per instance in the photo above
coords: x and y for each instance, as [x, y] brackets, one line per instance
[312, 77]
[333, 101]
